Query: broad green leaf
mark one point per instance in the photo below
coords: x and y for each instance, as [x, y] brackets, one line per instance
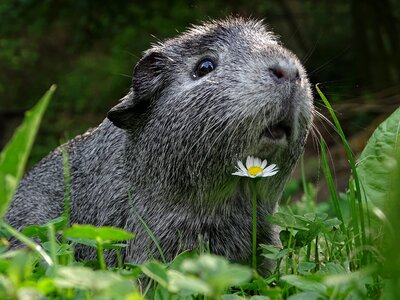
[378, 160]
[287, 220]
[109, 283]
[107, 245]
[286, 237]
[156, 271]
[114, 234]
[20, 267]
[90, 232]
[273, 252]
[357, 278]
[332, 268]
[15, 154]
[217, 271]
[87, 232]
[29, 293]
[315, 216]
[35, 231]
[122, 289]
[61, 249]
[305, 283]
[87, 242]
[305, 267]
[232, 297]
[304, 237]
[178, 282]
[161, 293]
[46, 285]
[332, 222]
[40, 231]
[310, 295]
[180, 258]
[233, 275]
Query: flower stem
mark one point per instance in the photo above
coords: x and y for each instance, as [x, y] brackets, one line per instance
[254, 223]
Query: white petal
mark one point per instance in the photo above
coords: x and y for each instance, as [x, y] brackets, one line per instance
[270, 168]
[241, 166]
[253, 159]
[257, 162]
[263, 164]
[238, 173]
[271, 173]
[249, 161]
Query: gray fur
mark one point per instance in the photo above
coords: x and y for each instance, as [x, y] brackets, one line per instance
[173, 144]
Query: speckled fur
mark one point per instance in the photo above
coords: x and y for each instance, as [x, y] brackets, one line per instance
[173, 143]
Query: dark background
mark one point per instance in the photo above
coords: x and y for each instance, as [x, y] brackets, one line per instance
[89, 48]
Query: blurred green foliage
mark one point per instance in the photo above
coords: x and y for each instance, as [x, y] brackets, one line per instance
[89, 48]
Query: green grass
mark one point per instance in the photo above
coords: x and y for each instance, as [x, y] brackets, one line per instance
[344, 248]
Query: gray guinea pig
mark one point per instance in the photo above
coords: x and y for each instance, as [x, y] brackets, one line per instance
[199, 102]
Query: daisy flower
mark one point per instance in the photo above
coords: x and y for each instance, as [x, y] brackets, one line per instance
[255, 168]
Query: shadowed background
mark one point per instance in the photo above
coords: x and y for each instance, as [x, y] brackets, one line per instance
[89, 48]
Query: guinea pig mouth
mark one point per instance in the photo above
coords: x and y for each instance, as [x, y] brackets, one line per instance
[277, 131]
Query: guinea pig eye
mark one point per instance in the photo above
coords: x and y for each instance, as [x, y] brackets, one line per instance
[204, 67]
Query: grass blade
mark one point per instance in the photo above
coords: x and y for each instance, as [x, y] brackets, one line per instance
[15, 154]
[354, 217]
[352, 165]
[67, 183]
[29, 243]
[332, 190]
[148, 230]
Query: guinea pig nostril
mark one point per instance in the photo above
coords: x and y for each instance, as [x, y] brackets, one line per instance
[284, 72]
[277, 72]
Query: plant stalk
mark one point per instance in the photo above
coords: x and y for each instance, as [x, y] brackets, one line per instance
[29, 243]
[254, 224]
[100, 255]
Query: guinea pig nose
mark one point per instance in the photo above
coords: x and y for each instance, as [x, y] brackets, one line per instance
[283, 72]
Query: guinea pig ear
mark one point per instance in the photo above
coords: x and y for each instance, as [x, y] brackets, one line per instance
[147, 81]
[148, 74]
[122, 114]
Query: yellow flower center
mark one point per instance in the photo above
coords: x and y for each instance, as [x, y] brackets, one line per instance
[254, 170]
